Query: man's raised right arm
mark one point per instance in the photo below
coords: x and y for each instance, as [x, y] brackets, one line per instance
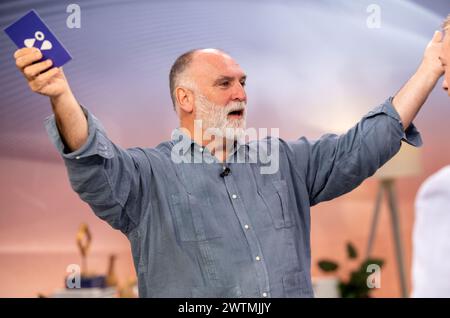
[50, 81]
[113, 181]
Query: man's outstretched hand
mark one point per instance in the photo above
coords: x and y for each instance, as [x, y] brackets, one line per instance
[42, 78]
[431, 56]
[50, 81]
[413, 95]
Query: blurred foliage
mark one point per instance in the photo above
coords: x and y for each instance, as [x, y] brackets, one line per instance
[356, 286]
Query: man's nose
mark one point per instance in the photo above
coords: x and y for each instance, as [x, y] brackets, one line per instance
[445, 85]
[239, 93]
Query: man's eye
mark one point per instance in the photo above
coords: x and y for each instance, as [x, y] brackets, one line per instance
[225, 84]
[243, 83]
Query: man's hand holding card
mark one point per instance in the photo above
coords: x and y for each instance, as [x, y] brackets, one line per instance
[40, 55]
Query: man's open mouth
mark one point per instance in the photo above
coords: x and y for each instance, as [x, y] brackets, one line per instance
[236, 113]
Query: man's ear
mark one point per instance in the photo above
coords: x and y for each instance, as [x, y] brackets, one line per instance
[185, 99]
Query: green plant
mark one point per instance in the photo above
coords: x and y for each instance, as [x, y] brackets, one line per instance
[356, 285]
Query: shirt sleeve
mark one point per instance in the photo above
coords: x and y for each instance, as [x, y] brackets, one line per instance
[104, 175]
[334, 165]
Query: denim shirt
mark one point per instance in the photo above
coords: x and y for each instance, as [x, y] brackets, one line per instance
[197, 233]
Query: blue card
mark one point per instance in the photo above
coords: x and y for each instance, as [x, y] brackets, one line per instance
[31, 31]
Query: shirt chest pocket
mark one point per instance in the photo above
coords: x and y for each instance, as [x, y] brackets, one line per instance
[275, 197]
[193, 218]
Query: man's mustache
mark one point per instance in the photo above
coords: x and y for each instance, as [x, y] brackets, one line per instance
[235, 106]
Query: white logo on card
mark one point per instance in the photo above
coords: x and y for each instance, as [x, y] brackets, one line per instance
[39, 36]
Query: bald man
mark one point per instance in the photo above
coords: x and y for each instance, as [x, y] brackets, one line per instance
[431, 243]
[200, 223]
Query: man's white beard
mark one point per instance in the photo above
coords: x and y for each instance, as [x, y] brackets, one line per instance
[215, 119]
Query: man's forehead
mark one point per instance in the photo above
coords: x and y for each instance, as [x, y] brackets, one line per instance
[213, 63]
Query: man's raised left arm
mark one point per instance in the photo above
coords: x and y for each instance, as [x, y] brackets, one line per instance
[414, 93]
[334, 165]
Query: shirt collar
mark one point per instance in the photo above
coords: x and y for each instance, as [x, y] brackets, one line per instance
[192, 150]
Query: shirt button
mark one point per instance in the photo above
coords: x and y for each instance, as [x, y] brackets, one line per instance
[258, 258]
[201, 149]
[246, 226]
[234, 196]
[77, 157]
[264, 294]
